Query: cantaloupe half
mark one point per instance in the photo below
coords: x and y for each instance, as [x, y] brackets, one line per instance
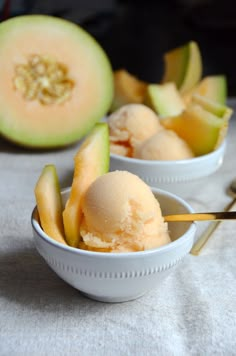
[49, 204]
[183, 65]
[91, 161]
[56, 81]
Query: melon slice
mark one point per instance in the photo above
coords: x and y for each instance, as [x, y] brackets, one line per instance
[91, 161]
[212, 106]
[183, 65]
[200, 127]
[165, 99]
[56, 81]
[128, 89]
[213, 87]
[49, 204]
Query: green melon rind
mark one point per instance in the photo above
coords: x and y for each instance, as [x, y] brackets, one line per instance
[35, 140]
[194, 68]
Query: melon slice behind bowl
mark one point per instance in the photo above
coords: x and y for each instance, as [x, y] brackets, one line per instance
[31, 123]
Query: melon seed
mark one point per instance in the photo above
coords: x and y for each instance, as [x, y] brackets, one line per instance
[43, 79]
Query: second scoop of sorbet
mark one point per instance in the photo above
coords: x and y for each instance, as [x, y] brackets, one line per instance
[130, 125]
[164, 145]
[121, 214]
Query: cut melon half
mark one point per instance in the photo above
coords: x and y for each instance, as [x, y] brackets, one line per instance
[49, 204]
[56, 81]
[91, 161]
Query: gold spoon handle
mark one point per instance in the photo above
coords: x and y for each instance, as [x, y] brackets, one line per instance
[197, 247]
[223, 215]
[200, 243]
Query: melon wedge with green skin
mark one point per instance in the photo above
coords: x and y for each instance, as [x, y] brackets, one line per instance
[49, 203]
[199, 128]
[212, 106]
[56, 81]
[183, 65]
[213, 87]
[164, 99]
[90, 162]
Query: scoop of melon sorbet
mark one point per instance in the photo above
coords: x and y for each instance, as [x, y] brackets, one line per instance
[121, 214]
[131, 125]
[164, 145]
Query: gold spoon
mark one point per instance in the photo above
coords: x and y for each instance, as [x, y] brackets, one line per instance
[197, 247]
[217, 216]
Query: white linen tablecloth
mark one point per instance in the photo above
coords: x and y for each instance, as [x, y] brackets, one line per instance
[194, 313]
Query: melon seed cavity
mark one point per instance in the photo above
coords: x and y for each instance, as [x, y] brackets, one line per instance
[43, 79]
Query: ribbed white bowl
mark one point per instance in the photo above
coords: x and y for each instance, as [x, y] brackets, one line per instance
[170, 175]
[118, 277]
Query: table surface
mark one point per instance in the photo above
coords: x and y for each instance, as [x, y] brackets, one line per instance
[193, 313]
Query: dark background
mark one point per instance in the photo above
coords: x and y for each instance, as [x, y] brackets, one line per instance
[136, 34]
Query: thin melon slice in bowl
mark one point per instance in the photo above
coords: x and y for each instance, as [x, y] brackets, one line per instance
[91, 161]
[56, 81]
[49, 203]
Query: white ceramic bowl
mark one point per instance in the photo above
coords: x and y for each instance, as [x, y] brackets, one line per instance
[118, 277]
[170, 175]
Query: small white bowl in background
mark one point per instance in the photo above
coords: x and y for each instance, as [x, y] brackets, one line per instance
[171, 175]
[118, 277]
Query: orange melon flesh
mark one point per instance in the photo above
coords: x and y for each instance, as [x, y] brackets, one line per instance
[32, 124]
[175, 64]
[49, 204]
[198, 127]
[128, 89]
[91, 161]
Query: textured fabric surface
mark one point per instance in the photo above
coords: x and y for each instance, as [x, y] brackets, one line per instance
[193, 313]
